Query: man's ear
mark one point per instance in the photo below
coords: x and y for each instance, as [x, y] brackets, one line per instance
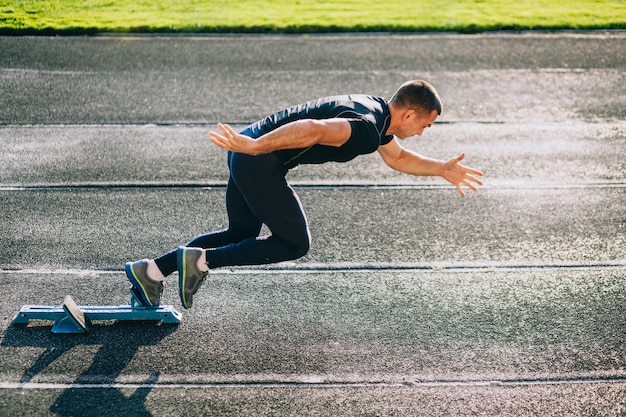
[408, 113]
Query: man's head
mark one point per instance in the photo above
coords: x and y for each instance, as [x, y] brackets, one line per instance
[417, 95]
[414, 107]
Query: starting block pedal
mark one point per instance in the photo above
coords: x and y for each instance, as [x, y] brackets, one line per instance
[70, 318]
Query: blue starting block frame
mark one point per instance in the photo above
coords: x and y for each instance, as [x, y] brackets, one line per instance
[66, 320]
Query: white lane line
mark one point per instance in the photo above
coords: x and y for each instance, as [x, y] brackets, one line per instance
[303, 185]
[364, 384]
[304, 268]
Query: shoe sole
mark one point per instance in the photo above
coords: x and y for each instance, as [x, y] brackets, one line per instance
[182, 276]
[141, 291]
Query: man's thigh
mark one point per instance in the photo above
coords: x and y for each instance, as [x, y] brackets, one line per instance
[260, 182]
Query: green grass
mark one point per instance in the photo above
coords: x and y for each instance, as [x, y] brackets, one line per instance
[302, 16]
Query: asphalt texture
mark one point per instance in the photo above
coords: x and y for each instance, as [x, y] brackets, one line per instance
[413, 301]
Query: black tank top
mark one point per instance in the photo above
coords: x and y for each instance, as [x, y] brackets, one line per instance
[369, 119]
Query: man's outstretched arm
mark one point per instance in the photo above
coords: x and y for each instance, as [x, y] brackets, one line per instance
[409, 162]
[295, 135]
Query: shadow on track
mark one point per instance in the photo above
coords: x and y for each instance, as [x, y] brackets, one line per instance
[119, 343]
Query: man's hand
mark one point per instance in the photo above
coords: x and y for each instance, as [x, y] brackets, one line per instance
[458, 174]
[233, 141]
[412, 163]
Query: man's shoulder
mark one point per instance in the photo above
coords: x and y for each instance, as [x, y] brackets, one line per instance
[349, 105]
[350, 100]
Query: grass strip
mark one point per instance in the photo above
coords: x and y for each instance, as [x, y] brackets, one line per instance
[305, 16]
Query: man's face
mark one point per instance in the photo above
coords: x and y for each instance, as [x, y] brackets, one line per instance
[414, 123]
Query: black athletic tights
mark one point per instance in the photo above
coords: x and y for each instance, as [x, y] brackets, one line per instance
[257, 194]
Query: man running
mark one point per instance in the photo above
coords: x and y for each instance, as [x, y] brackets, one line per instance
[337, 128]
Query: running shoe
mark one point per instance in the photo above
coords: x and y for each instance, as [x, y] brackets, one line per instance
[190, 277]
[149, 291]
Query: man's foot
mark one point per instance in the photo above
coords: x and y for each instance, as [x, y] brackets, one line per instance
[148, 290]
[190, 276]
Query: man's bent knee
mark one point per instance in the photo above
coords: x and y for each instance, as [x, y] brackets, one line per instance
[299, 249]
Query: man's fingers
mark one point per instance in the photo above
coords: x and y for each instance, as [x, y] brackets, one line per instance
[469, 182]
[222, 128]
[460, 175]
[227, 130]
[474, 179]
[219, 140]
[475, 172]
[470, 185]
[216, 137]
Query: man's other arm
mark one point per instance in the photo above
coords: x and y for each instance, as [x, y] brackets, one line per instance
[299, 134]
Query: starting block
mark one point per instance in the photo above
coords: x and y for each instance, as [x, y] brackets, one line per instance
[70, 318]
